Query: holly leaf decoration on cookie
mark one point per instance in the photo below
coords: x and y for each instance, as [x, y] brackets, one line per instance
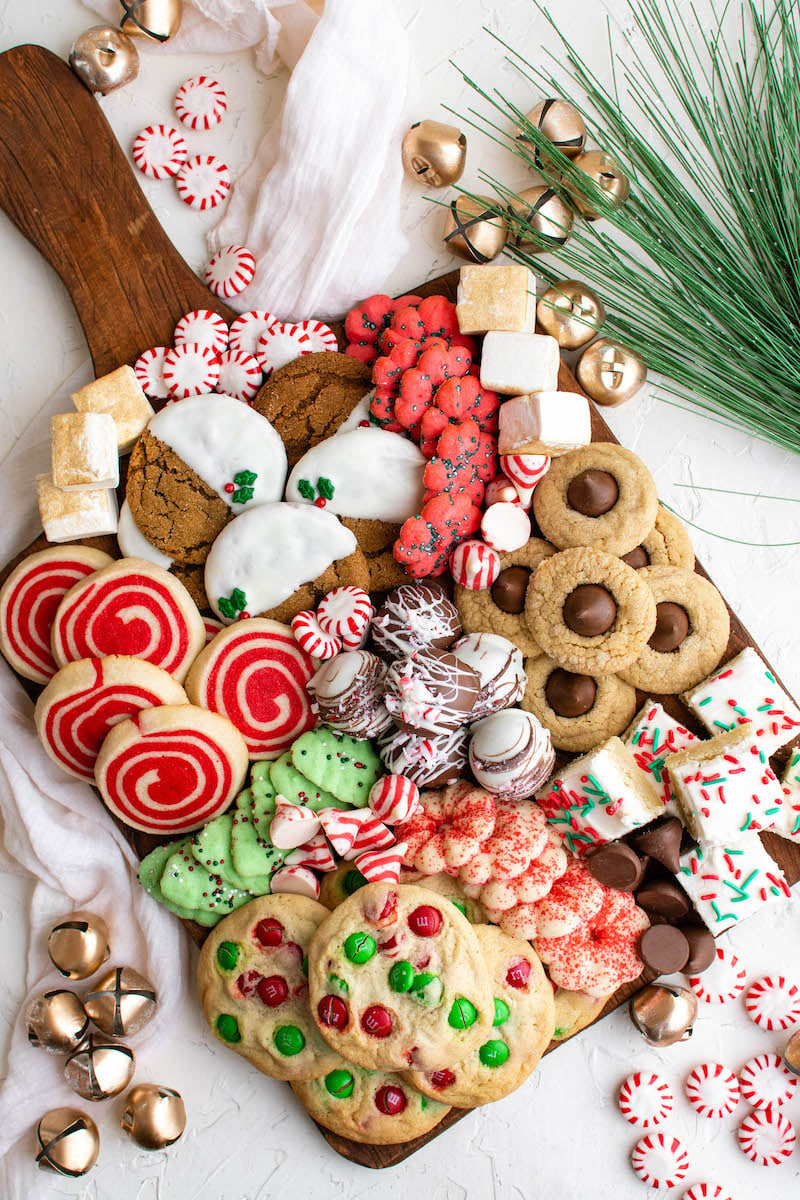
[245, 478]
[306, 489]
[242, 495]
[325, 488]
[229, 606]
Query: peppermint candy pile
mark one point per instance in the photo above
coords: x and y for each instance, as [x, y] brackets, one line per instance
[341, 622]
[160, 151]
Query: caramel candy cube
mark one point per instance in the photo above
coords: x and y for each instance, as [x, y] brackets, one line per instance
[496, 298]
[119, 395]
[83, 448]
[70, 515]
[548, 423]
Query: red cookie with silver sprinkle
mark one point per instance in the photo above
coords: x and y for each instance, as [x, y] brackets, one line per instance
[707, 1191]
[202, 327]
[149, 372]
[313, 638]
[159, 151]
[766, 1081]
[248, 328]
[645, 1099]
[381, 866]
[229, 271]
[394, 798]
[239, 375]
[767, 1138]
[474, 565]
[346, 612]
[281, 344]
[773, 1003]
[712, 1090]
[660, 1160]
[203, 182]
[190, 370]
[296, 881]
[505, 527]
[724, 980]
[321, 336]
[200, 102]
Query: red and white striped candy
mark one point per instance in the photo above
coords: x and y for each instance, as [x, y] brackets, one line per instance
[295, 881]
[660, 1160]
[280, 345]
[159, 150]
[394, 798]
[712, 1090]
[292, 825]
[200, 102]
[766, 1081]
[371, 834]
[255, 674]
[474, 565]
[313, 638]
[505, 527]
[645, 1099]
[203, 181]
[525, 470]
[190, 370]
[500, 491]
[29, 600]
[773, 1003]
[239, 375]
[248, 328]
[720, 982]
[321, 336]
[229, 271]
[149, 372]
[707, 1191]
[212, 628]
[382, 866]
[346, 612]
[341, 826]
[202, 327]
[314, 854]
[767, 1138]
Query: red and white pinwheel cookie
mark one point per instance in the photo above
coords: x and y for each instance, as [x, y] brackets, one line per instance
[601, 953]
[449, 828]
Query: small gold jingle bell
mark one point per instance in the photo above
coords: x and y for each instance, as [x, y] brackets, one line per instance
[154, 1116]
[121, 1002]
[434, 153]
[791, 1055]
[68, 1142]
[561, 123]
[104, 59]
[664, 1014]
[99, 1068]
[78, 945]
[56, 1021]
[539, 219]
[610, 373]
[473, 230]
[571, 313]
[607, 175]
[155, 20]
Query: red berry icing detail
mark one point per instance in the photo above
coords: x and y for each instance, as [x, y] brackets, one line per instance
[390, 1100]
[273, 991]
[518, 973]
[320, 502]
[425, 921]
[230, 487]
[248, 983]
[269, 932]
[376, 1021]
[442, 1079]
[333, 1012]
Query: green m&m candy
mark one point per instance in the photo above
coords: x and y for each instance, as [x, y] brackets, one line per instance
[494, 1053]
[401, 976]
[288, 1040]
[227, 954]
[501, 1011]
[462, 1014]
[340, 1084]
[352, 881]
[228, 1028]
[460, 905]
[427, 989]
[359, 947]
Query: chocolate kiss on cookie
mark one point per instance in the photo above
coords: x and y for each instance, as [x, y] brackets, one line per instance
[199, 463]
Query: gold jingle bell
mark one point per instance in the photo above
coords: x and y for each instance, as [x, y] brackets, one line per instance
[791, 1055]
[561, 123]
[434, 153]
[155, 20]
[104, 59]
[664, 1014]
[154, 1116]
[78, 945]
[474, 230]
[610, 373]
[539, 219]
[607, 175]
[99, 1068]
[571, 313]
[121, 1002]
[56, 1021]
[68, 1142]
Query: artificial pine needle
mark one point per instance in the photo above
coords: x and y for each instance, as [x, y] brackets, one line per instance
[723, 538]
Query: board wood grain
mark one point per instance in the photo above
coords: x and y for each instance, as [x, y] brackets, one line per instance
[67, 186]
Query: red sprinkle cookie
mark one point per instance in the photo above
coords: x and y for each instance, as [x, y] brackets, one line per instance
[720, 982]
[712, 1090]
[645, 1099]
[203, 181]
[766, 1081]
[159, 151]
[660, 1160]
[773, 1003]
[767, 1138]
[200, 102]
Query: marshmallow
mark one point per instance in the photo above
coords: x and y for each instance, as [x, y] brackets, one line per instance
[68, 516]
[546, 423]
[83, 450]
[518, 364]
[120, 396]
[496, 298]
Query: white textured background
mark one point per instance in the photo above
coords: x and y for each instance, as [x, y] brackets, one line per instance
[560, 1135]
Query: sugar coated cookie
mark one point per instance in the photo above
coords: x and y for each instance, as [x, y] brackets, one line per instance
[86, 698]
[29, 600]
[171, 769]
[255, 674]
[667, 544]
[130, 607]
[500, 608]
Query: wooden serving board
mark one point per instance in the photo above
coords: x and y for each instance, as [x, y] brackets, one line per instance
[67, 186]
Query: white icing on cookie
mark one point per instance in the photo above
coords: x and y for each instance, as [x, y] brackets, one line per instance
[359, 414]
[219, 438]
[134, 544]
[375, 474]
[269, 551]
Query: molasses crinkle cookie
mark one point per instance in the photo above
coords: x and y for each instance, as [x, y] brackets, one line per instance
[580, 711]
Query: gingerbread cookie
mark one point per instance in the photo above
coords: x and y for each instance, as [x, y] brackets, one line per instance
[252, 982]
[574, 1011]
[667, 544]
[590, 611]
[501, 608]
[376, 540]
[601, 495]
[692, 630]
[581, 711]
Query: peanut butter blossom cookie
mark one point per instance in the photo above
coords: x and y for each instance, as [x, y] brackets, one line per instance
[666, 545]
[398, 980]
[501, 607]
[253, 987]
[580, 711]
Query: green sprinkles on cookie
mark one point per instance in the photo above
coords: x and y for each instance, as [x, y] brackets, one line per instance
[296, 788]
[344, 766]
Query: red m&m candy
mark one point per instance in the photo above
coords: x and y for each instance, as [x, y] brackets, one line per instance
[273, 991]
[333, 1012]
[248, 982]
[269, 932]
[442, 1079]
[518, 973]
[425, 921]
[391, 1101]
[376, 1021]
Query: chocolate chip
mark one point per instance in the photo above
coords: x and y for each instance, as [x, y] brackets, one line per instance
[672, 627]
[590, 610]
[508, 590]
[664, 949]
[637, 558]
[593, 492]
[616, 866]
[702, 949]
[663, 898]
[570, 695]
[662, 842]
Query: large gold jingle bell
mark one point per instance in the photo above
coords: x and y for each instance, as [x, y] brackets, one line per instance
[561, 123]
[68, 1142]
[473, 230]
[434, 153]
[155, 20]
[154, 1116]
[104, 59]
[610, 373]
[664, 1014]
[99, 1068]
[539, 219]
[56, 1021]
[78, 945]
[570, 312]
[607, 174]
[121, 1002]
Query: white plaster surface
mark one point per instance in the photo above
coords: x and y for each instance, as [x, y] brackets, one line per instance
[560, 1135]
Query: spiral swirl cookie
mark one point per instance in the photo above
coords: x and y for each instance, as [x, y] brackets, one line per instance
[133, 608]
[255, 674]
[666, 545]
[501, 608]
[692, 630]
[524, 1020]
[29, 599]
[253, 988]
[171, 769]
[85, 699]
[590, 611]
[580, 711]
[397, 979]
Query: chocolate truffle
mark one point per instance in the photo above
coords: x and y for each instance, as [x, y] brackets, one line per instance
[500, 668]
[508, 590]
[431, 691]
[347, 693]
[429, 762]
[412, 616]
[664, 949]
[616, 866]
[637, 558]
[593, 492]
[568, 694]
[590, 610]
[672, 627]
[510, 754]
